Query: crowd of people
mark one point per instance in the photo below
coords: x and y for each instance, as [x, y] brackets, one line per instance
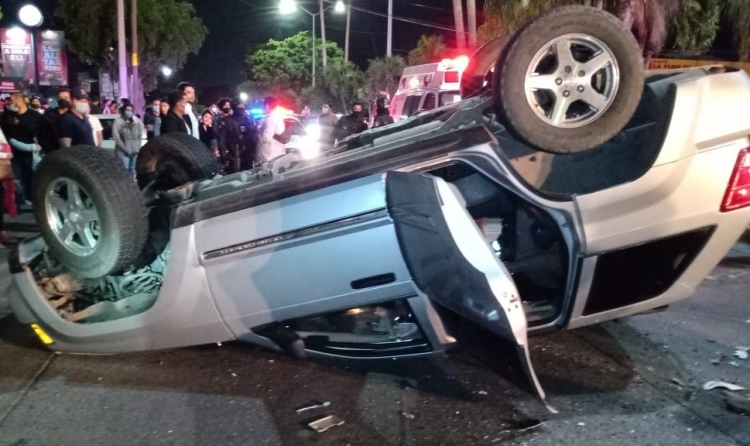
[30, 129]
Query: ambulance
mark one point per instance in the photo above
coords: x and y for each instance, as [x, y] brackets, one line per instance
[428, 86]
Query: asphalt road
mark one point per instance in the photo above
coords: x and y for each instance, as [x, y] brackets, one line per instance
[635, 382]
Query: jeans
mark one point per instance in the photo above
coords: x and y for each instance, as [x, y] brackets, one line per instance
[127, 160]
[23, 171]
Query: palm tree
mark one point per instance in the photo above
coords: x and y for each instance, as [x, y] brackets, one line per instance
[737, 14]
[344, 80]
[384, 75]
[429, 49]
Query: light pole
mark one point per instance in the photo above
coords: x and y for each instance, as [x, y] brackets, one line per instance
[287, 7]
[31, 17]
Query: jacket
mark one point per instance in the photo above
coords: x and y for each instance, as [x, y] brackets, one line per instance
[127, 135]
[173, 123]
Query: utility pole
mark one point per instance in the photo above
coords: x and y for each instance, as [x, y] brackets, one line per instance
[471, 11]
[323, 33]
[389, 47]
[458, 15]
[313, 50]
[348, 19]
[137, 96]
[121, 53]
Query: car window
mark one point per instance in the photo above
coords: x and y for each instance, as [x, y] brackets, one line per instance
[449, 97]
[106, 128]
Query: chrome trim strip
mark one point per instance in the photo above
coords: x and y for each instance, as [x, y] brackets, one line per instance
[295, 234]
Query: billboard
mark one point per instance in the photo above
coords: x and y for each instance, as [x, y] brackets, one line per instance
[15, 44]
[51, 61]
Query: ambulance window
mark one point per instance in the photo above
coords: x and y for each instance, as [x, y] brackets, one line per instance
[449, 98]
[429, 101]
[411, 106]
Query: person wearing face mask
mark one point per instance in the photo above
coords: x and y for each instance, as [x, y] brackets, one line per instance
[174, 120]
[149, 119]
[74, 127]
[20, 125]
[36, 104]
[249, 132]
[189, 115]
[383, 116]
[351, 124]
[47, 134]
[327, 122]
[229, 136]
[127, 132]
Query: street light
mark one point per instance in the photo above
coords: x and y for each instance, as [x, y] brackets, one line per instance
[30, 16]
[287, 7]
[166, 71]
[243, 97]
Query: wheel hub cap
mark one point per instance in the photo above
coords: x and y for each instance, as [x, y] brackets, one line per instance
[72, 216]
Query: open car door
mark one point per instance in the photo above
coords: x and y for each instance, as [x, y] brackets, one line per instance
[451, 263]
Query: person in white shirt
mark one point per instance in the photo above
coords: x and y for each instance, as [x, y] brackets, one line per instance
[271, 125]
[190, 118]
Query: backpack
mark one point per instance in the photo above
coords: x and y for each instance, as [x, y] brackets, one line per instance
[286, 136]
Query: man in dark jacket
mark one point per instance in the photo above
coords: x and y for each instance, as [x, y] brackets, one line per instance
[249, 132]
[47, 135]
[383, 116]
[351, 124]
[229, 134]
[174, 121]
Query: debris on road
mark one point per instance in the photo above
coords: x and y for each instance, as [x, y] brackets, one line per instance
[680, 382]
[581, 423]
[715, 361]
[737, 403]
[407, 415]
[741, 354]
[721, 384]
[314, 405]
[734, 363]
[482, 392]
[323, 424]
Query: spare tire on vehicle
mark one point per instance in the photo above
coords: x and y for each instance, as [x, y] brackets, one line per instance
[173, 159]
[89, 211]
[480, 66]
[569, 80]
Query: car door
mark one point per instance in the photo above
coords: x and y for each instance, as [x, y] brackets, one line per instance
[375, 239]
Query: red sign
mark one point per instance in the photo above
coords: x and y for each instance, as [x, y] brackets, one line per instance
[15, 44]
[50, 58]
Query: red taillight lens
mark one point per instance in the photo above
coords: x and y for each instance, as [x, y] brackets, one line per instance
[738, 190]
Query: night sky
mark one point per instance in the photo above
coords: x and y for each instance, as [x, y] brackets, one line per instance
[233, 25]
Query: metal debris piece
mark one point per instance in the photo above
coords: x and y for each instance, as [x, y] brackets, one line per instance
[314, 405]
[741, 354]
[581, 423]
[721, 384]
[407, 415]
[323, 424]
[742, 348]
[528, 425]
[734, 363]
[716, 361]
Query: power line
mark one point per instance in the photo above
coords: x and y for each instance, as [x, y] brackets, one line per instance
[399, 18]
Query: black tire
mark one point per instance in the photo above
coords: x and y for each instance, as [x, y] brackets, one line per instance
[510, 100]
[174, 159]
[107, 185]
[480, 65]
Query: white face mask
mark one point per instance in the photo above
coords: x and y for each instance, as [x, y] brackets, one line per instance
[13, 108]
[325, 110]
[82, 107]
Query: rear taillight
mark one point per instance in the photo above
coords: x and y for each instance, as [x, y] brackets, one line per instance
[738, 190]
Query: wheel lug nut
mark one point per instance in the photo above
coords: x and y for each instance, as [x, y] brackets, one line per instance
[566, 93]
[580, 88]
[558, 81]
[581, 73]
[568, 69]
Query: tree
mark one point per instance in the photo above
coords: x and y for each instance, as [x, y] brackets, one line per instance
[168, 31]
[345, 81]
[286, 65]
[429, 49]
[737, 15]
[695, 25]
[384, 75]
